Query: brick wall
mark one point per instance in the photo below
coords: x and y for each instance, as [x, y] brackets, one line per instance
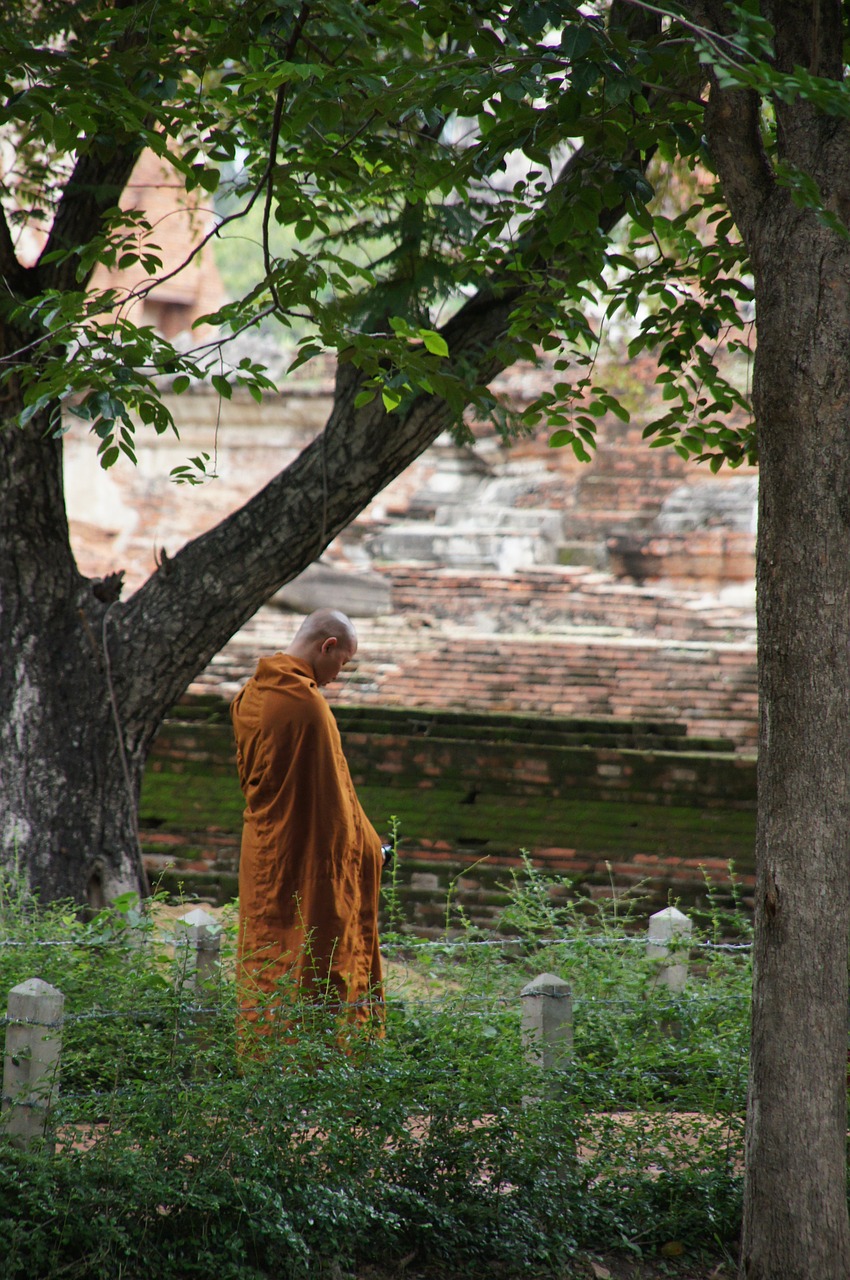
[551, 642]
[391, 751]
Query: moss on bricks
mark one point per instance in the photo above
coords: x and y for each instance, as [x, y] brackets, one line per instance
[218, 888]
[507, 727]
[502, 823]
[193, 803]
[521, 788]
[208, 707]
[213, 740]
[190, 800]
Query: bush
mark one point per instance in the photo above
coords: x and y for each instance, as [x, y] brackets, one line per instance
[177, 1158]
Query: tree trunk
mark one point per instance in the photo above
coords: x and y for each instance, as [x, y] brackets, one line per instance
[796, 1223]
[66, 807]
[85, 682]
[795, 1198]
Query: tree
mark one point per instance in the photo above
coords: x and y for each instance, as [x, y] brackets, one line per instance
[427, 272]
[777, 126]
[392, 179]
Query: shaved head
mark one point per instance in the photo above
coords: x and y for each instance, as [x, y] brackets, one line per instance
[326, 640]
[325, 623]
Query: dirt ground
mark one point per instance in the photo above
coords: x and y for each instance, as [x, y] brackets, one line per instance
[607, 1267]
[600, 1266]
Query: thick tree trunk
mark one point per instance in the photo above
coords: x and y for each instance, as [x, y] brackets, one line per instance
[66, 805]
[795, 1200]
[84, 683]
[796, 1222]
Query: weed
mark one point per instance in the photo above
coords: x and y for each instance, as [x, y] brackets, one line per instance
[177, 1159]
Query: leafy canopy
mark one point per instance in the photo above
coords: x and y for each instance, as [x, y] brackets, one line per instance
[420, 156]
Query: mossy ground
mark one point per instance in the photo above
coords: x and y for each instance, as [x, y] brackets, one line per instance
[193, 800]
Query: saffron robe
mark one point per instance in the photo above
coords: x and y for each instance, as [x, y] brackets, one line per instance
[310, 867]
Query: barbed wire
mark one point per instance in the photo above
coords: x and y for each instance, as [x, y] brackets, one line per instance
[473, 1006]
[412, 945]
[163, 1087]
[683, 944]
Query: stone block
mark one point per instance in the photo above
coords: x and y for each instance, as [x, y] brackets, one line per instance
[359, 593]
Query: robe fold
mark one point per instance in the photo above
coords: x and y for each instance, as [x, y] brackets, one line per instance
[310, 866]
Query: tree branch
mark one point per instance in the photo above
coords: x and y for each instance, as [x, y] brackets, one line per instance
[94, 187]
[808, 35]
[733, 127]
[96, 183]
[291, 45]
[13, 274]
[190, 606]
[184, 613]
[811, 36]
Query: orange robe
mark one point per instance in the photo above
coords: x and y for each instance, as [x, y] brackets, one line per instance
[310, 868]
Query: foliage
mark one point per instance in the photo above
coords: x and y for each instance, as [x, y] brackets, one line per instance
[393, 161]
[178, 1158]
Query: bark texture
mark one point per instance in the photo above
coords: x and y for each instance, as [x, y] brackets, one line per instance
[796, 1206]
[795, 1214]
[59, 751]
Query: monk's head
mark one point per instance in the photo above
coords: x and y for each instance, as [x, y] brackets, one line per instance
[326, 640]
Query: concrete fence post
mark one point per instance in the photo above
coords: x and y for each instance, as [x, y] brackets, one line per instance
[547, 1028]
[198, 951]
[669, 935]
[34, 1017]
[198, 947]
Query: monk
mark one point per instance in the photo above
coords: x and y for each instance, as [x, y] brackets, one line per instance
[310, 869]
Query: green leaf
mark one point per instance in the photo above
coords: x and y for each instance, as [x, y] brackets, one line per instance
[434, 342]
[208, 178]
[306, 352]
[577, 40]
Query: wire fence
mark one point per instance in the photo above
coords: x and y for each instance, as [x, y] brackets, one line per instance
[537, 1080]
[196, 951]
[187, 950]
[412, 945]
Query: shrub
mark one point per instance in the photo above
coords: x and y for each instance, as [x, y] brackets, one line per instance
[178, 1159]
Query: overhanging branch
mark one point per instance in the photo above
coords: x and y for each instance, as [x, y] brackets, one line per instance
[94, 187]
[14, 275]
[189, 608]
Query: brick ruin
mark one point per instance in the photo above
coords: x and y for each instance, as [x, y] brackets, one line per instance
[484, 580]
[522, 580]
